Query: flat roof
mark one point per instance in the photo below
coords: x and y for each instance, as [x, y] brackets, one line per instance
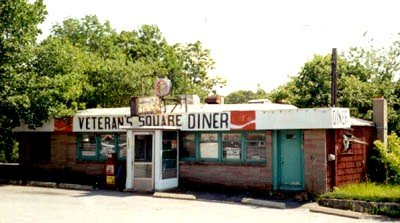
[191, 109]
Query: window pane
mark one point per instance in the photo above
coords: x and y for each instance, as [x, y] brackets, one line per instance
[188, 136]
[231, 146]
[209, 150]
[209, 145]
[88, 145]
[122, 145]
[107, 142]
[188, 146]
[206, 137]
[169, 162]
[143, 148]
[255, 144]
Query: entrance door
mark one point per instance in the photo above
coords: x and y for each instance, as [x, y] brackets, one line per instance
[290, 162]
[166, 163]
[143, 161]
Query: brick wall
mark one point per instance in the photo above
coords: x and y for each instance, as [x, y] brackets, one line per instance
[315, 165]
[63, 156]
[351, 165]
[241, 176]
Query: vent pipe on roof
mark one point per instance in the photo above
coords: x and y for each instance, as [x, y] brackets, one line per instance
[379, 108]
[215, 99]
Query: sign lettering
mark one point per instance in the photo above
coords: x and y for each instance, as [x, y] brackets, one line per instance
[160, 120]
[100, 123]
[206, 121]
[340, 117]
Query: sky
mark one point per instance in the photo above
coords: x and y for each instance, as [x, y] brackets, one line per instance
[255, 43]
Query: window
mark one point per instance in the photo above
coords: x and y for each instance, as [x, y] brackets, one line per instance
[93, 146]
[255, 146]
[231, 146]
[209, 145]
[107, 144]
[35, 146]
[169, 152]
[234, 147]
[143, 148]
[88, 146]
[122, 146]
[188, 146]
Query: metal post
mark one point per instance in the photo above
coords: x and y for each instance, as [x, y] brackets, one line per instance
[334, 78]
[185, 89]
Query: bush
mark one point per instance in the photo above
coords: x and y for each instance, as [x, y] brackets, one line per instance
[389, 157]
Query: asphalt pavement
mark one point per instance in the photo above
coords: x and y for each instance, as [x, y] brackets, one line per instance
[43, 204]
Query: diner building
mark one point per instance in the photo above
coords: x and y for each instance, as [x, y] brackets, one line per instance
[260, 147]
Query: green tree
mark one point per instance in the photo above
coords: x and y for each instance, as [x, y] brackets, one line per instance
[311, 88]
[243, 96]
[118, 66]
[196, 62]
[383, 65]
[359, 81]
[18, 26]
[186, 65]
[109, 77]
[60, 66]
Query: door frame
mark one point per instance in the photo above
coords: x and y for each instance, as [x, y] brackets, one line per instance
[146, 133]
[130, 159]
[160, 183]
[276, 152]
[157, 182]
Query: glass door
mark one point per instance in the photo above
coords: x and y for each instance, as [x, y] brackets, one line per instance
[167, 160]
[143, 161]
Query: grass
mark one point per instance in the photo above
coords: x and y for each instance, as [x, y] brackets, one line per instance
[366, 192]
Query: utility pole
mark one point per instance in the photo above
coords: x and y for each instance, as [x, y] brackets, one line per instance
[185, 89]
[334, 78]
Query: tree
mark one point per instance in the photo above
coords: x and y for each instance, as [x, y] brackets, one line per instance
[383, 65]
[60, 66]
[108, 76]
[186, 65]
[18, 25]
[243, 96]
[312, 87]
[118, 66]
[195, 62]
[359, 81]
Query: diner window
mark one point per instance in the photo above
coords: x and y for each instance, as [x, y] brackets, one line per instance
[122, 146]
[255, 147]
[88, 146]
[241, 147]
[231, 146]
[188, 151]
[107, 144]
[209, 145]
[93, 146]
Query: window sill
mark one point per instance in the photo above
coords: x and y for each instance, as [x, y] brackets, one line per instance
[89, 161]
[224, 163]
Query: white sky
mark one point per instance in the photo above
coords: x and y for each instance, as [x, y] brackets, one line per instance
[252, 41]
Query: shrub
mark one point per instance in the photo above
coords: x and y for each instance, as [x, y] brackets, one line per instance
[390, 158]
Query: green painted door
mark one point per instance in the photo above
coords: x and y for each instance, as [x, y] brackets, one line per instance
[290, 160]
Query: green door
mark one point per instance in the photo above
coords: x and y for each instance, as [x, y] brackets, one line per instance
[290, 160]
